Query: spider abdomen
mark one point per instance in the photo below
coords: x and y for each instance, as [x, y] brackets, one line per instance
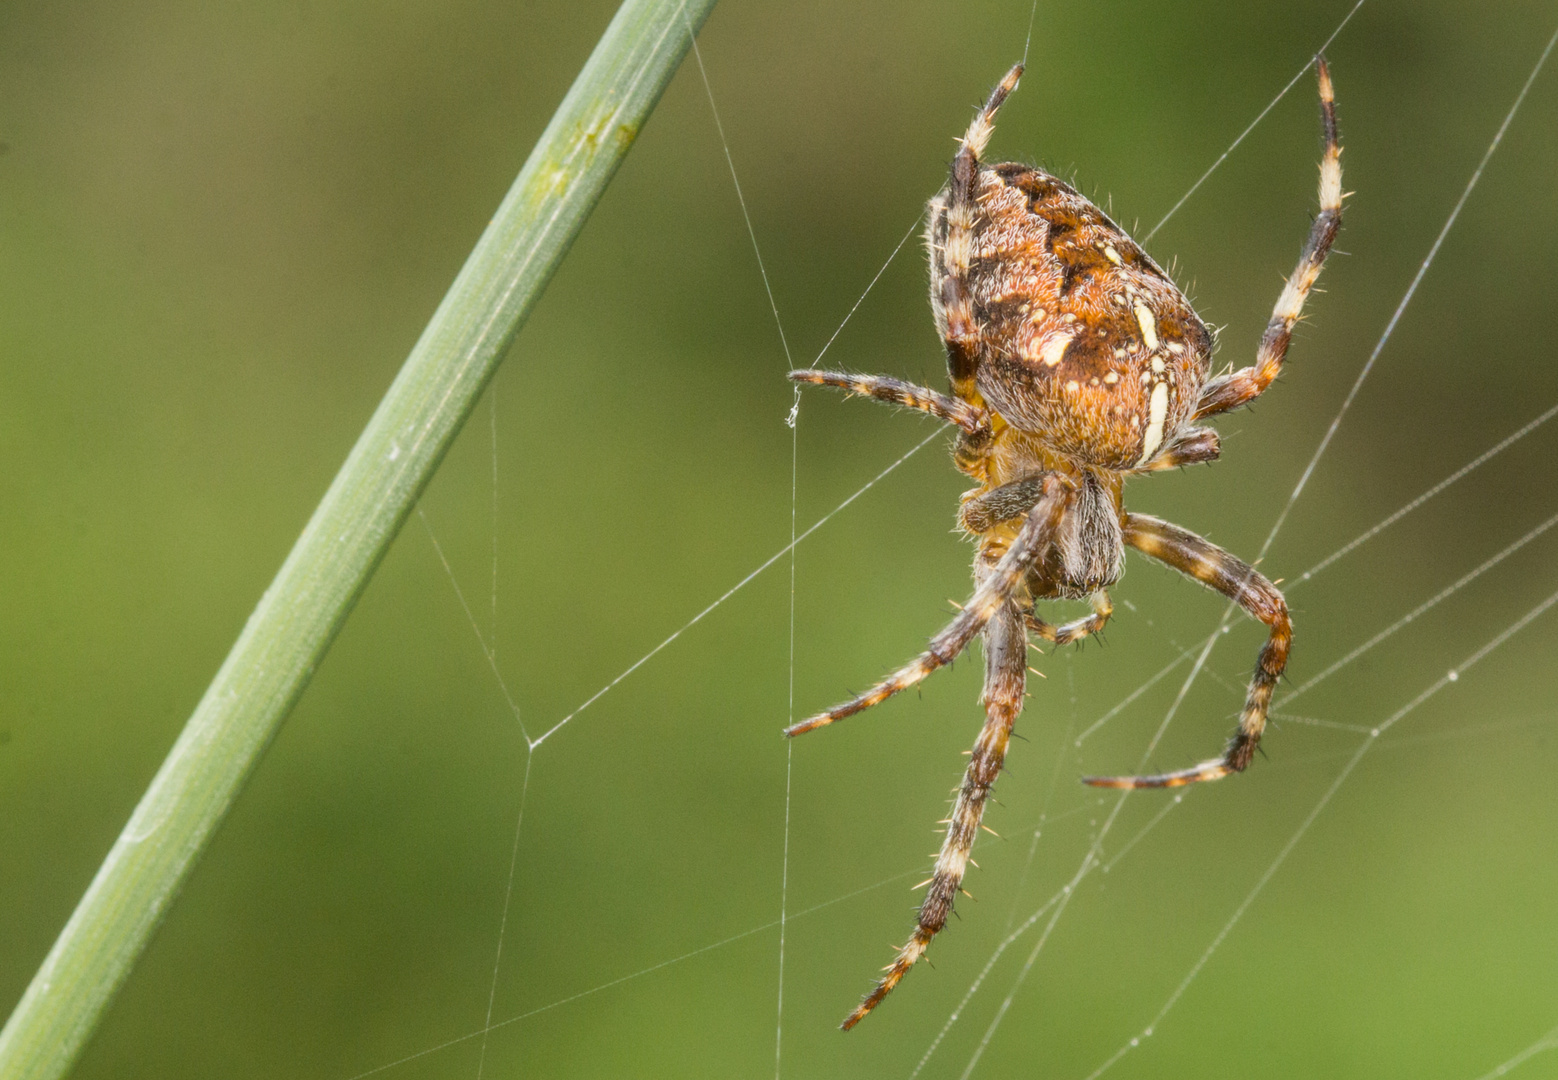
[1083, 341]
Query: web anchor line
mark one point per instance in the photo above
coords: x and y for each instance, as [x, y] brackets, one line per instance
[1272, 104]
[619, 980]
[1546, 1042]
[503, 923]
[792, 421]
[487, 651]
[738, 586]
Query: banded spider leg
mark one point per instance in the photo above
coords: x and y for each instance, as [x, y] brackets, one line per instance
[996, 608]
[1243, 584]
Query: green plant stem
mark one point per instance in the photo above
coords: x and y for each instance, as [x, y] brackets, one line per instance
[299, 615]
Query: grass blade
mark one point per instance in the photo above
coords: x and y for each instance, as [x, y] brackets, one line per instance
[299, 615]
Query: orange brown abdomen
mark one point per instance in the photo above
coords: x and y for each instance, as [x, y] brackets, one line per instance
[1084, 342]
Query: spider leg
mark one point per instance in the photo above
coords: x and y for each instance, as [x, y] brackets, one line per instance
[1005, 672]
[970, 418]
[951, 250]
[982, 510]
[1240, 582]
[1192, 446]
[1241, 387]
[1078, 629]
[996, 587]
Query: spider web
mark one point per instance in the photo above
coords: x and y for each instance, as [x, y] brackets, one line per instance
[1033, 926]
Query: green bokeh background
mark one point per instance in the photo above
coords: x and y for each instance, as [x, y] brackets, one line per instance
[221, 230]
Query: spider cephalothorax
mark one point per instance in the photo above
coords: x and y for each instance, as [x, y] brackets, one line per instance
[1074, 362]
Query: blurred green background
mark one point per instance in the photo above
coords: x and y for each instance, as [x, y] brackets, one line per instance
[223, 228]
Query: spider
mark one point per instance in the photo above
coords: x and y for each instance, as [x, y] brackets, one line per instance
[1074, 362]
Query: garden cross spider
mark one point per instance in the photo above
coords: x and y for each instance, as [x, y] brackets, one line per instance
[1075, 362]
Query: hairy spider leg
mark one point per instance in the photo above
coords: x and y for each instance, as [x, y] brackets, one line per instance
[982, 510]
[1240, 582]
[1006, 665]
[1192, 446]
[994, 589]
[1241, 387]
[1078, 629]
[971, 418]
[962, 337]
